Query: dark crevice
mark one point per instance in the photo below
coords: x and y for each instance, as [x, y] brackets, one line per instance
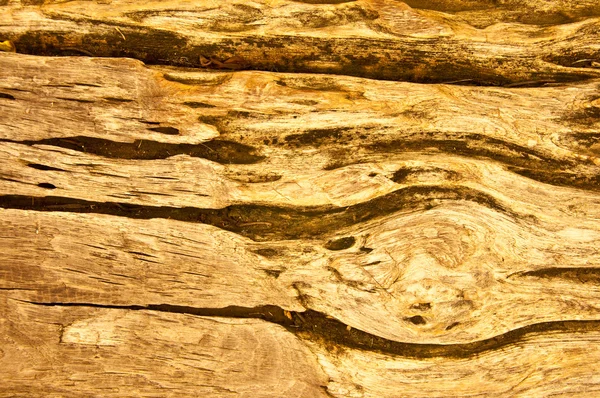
[560, 178]
[333, 334]
[273, 273]
[165, 130]
[195, 105]
[43, 167]
[114, 99]
[341, 243]
[416, 320]
[474, 145]
[224, 152]
[46, 185]
[269, 313]
[7, 96]
[82, 101]
[425, 61]
[578, 275]
[263, 223]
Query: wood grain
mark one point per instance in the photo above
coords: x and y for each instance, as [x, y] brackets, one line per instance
[262, 199]
[479, 42]
[420, 232]
[69, 351]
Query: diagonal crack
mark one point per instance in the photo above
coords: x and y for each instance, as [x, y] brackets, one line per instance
[269, 313]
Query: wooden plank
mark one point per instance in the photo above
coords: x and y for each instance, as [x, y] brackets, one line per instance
[369, 38]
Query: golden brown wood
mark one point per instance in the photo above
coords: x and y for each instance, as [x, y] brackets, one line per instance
[477, 41]
[214, 226]
[66, 351]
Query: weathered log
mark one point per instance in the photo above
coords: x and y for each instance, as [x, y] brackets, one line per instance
[371, 38]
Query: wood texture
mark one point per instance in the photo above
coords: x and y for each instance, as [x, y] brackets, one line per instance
[58, 351]
[477, 41]
[70, 351]
[242, 230]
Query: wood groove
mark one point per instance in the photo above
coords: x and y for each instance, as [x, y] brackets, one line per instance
[399, 43]
[314, 326]
[225, 152]
[266, 223]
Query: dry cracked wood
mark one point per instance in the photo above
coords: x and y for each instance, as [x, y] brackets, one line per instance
[396, 239]
[72, 351]
[457, 273]
[436, 41]
[346, 196]
[82, 351]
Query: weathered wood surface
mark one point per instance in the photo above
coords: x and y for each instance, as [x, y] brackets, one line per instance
[66, 351]
[404, 224]
[394, 185]
[477, 41]
[74, 351]
[185, 231]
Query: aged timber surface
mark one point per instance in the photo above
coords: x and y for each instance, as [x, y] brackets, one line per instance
[248, 231]
[424, 41]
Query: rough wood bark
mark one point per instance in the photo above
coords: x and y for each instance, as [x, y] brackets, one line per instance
[185, 231]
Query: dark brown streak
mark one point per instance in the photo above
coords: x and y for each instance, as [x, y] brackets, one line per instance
[397, 61]
[333, 333]
[224, 152]
[264, 223]
[316, 326]
[579, 275]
